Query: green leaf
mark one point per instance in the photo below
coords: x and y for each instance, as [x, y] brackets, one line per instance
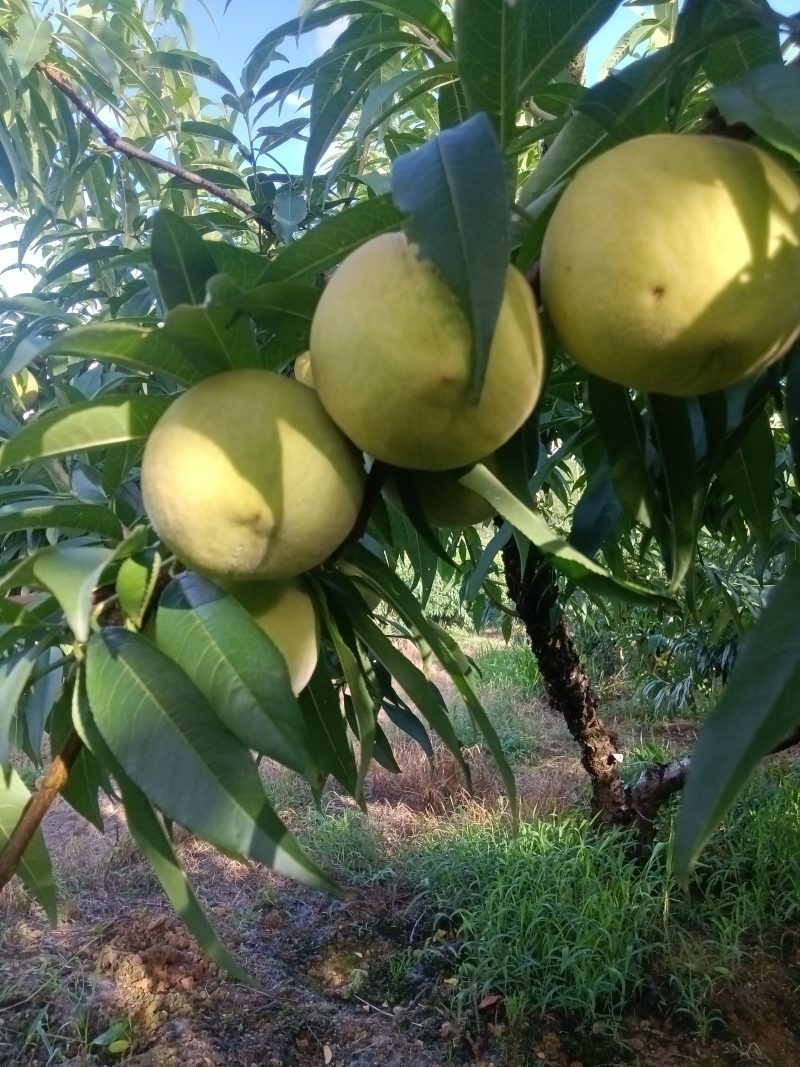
[34, 306]
[136, 583]
[331, 240]
[757, 711]
[489, 37]
[144, 348]
[34, 868]
[749, 476]
[330, 112]
[209, 129]
[189, 63]
[15, 671]
[325, 722]
[672, 432]
[236, 667]
[171, 744]
[596, 513]
[95, 424]
[70, 573]
[273, 304]
[152, 838]
[752, 39]
[65, 513]
[765, 99]
[454, 190]
[215, 339]
[566, 559]
[622, 432]
[181, 258]
[86, 775]
[420, 690]
[149, 832]
[555, 33]
[32, 43]
[365, 705]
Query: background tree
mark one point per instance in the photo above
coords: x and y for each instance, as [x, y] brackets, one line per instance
[173, 245]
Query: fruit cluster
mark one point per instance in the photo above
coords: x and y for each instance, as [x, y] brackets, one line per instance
[671, 264]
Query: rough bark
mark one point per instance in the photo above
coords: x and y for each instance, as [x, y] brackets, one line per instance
[569, 690]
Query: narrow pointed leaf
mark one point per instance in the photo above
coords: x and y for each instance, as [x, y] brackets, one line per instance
[98, 423]
[155, 843]
[35, 868]
[454, 190]
[181, 258]
[555, 33]
[15, 670]
[127, 345]
[325, 722]
[236, 667]
[172, 745]
[757, 711]
[329, 242]
[489, 39]
[564, 557]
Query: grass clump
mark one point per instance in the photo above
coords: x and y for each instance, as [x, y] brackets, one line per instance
[560, 919]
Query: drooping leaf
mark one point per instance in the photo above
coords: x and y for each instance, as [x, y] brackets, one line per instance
[110, 420]
[454, 192]
[15, 671]
[191, 63]
[749, 476]
[329, 242]
[757, 711]
[623, 434]
[152, 838]
[181, 259]
[86, 776]
[128, 345]
[682, 494]
[34, 868]
[172, 745]
[765, 99]
[236, 667]
[325, 722]
[555, 34]
[564, 557]
[489, 39]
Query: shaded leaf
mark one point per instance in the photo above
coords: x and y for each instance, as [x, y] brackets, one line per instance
[236, 667]
[125, 344]
[757, 711]
[181, 259]
[171, 744]
[34, 868]
[454, 191]
[95, 424]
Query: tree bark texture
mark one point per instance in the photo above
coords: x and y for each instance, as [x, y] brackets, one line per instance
[534, 591]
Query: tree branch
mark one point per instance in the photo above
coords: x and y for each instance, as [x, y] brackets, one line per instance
[37, 807]
[126, 148]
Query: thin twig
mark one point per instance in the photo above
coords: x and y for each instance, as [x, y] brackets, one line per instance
[119, 144]
[37, 807]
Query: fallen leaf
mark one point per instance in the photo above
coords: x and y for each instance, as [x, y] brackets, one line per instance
[488, 1001]
[327, 1053]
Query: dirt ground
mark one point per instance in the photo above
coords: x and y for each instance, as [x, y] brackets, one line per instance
[120, 980]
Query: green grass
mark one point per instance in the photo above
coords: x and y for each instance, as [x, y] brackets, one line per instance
[510, 666]
[560, 919]
[509, 716]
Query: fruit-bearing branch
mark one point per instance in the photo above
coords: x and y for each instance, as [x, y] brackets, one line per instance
[37, 807]
[126, 148]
